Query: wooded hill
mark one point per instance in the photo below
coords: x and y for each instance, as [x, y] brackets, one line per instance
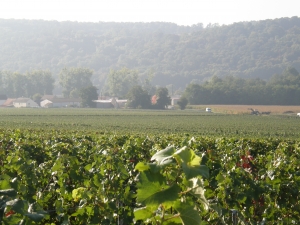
[174, 54]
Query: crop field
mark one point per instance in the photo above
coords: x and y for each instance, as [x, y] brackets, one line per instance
[245, 109]
[90, 166]
[195, 122]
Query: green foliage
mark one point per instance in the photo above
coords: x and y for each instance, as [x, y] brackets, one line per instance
[138, 98]
[162, 98]
[87, 95]
[74, 79]
[18, 85]
[153, 122]
[182, 102]
[177, 54]
[161, 188]
[282, 89]
[119, 82]
[58, 177]
[39, 81]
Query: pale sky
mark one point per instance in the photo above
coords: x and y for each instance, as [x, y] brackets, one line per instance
[181, 12]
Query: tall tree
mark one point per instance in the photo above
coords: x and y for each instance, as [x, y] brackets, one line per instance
[39, 81]
[182, 102]
[138, 98]
[119, 82]
[74, 79]
[14, 84]
[88, 94]
[162, 98]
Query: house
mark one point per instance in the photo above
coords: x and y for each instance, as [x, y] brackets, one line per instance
[24, 103]
[174, 100]
[8, 102]
[110, 103]
[60, 102]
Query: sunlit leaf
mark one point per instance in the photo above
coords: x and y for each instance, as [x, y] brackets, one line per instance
[191, 163]
[162, 154]
[152, 190]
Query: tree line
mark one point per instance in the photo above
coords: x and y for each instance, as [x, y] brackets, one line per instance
[77, 83]
[280, 89]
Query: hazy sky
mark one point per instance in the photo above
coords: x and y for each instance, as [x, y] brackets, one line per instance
[182, 12]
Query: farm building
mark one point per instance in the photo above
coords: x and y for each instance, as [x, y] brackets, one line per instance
[8, 102]
[110, 103]
[60, 102]
[24, 103]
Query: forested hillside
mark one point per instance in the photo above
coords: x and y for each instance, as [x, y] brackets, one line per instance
[174, 54]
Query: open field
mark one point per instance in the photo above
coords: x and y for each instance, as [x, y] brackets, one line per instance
[244, 109]
[195, 122]
[82, 163]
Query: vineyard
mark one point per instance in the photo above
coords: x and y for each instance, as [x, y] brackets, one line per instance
[58, 170]
[195, 122]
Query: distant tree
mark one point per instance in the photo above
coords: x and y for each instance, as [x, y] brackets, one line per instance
[194, 93]
[182, 102]
[74, 79]
[39, 81]
[14, 84]
[88, 94]
[162, 98]
[119, 82]
[138, 98]
[75, 93]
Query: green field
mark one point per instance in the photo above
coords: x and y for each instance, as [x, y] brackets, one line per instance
[91, 166]
[194, 122]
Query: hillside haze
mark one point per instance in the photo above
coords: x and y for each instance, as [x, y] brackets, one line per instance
[174, 54]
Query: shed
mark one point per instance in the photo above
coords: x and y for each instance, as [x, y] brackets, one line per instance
[60, 102]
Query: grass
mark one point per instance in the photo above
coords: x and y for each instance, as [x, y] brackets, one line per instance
[195, 122]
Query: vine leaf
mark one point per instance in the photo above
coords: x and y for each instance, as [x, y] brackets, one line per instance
[142, 213]
[152, 190]
[195, 187]
[35, 216]
[187, 213]
[165, 153]
[17, 205]
[9, 192]
[191, 163]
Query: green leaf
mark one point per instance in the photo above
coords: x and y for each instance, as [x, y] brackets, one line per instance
[191, 163]
[17, 205]
[161, 155]
[78, 193]
[152, 191]
[9, 192]
[195, 187]
[97, 180]
[142, 213]
[35, 217]
[4, 184]
[188, 213]
[141, 166]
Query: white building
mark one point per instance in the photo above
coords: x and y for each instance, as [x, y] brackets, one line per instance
[24, 103]
[110, 103]
[60, 102]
